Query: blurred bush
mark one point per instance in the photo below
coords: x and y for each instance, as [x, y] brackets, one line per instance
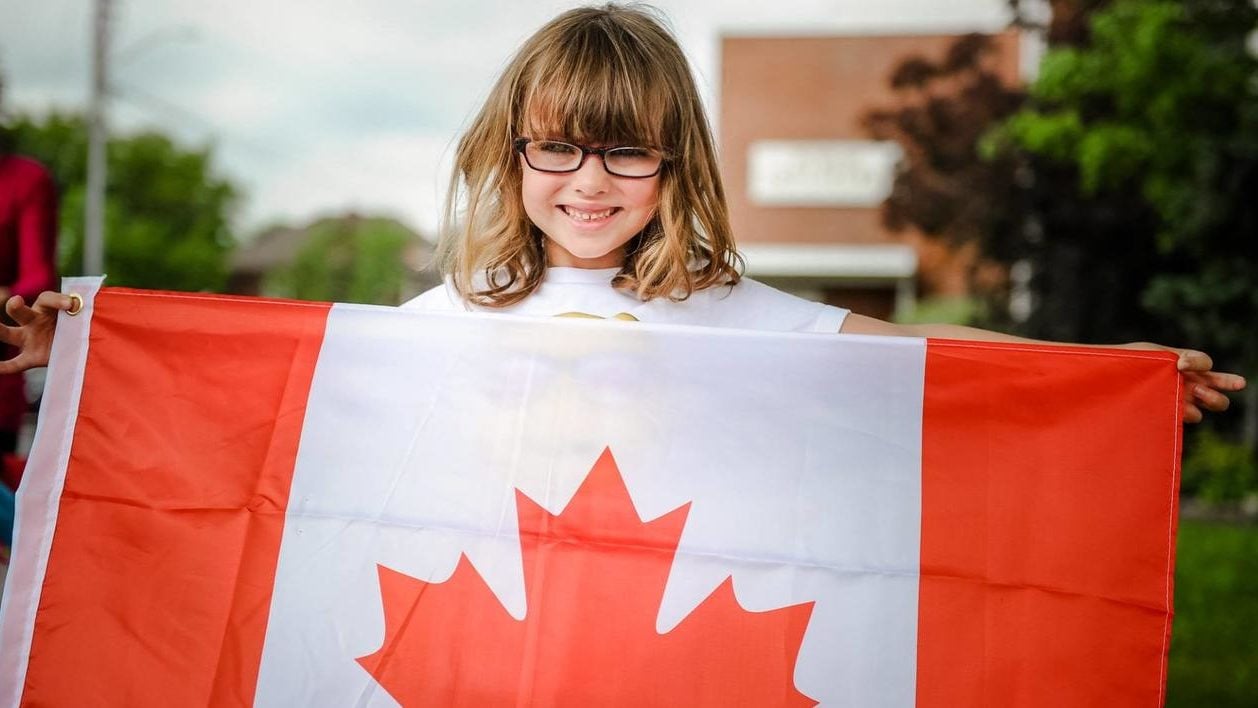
[1214, 658]
[1218, 470]
[349, 259]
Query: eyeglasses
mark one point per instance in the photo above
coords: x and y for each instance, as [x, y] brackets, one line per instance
[554, 156]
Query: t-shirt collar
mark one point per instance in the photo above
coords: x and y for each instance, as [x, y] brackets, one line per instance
[566, 274]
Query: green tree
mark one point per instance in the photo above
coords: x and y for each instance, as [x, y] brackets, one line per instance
[1123, 177]
[1085, 256]
[945, 189]
[166, 217]
[1162, 103]
[349, 259]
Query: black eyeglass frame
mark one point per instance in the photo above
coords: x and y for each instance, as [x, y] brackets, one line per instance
[521, 144]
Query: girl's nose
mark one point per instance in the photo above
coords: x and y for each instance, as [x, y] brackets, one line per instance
[591, 177]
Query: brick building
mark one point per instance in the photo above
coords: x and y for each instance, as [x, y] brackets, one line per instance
[805, 181]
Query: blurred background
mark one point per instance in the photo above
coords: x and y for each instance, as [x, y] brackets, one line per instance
[1075, 170]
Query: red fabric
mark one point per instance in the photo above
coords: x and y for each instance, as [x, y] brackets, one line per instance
[28, 251]
[28, 227]
[1049, 481]
[199, 478]
[13, 403]
[11, 469]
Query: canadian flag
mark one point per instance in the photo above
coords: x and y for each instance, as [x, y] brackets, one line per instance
[242, 501]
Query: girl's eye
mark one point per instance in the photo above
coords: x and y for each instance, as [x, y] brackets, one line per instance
[556, 148]
[631, 153]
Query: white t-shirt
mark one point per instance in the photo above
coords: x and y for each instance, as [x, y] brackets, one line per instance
[568, 291]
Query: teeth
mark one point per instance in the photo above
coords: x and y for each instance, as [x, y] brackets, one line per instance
[588, 215]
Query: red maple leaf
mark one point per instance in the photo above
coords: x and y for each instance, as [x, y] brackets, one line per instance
[594, 577]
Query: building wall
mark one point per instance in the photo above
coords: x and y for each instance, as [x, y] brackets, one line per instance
[814, 88]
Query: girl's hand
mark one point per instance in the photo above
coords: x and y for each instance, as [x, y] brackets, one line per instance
[1204, 388]
[36, 324]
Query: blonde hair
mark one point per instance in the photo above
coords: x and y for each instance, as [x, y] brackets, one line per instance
[607, 75]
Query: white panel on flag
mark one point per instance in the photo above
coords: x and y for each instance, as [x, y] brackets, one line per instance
[802, 473]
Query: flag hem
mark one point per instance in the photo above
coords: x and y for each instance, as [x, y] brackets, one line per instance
[39, 495]
[1171, 531]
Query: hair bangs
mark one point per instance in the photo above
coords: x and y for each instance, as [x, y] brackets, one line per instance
[596, 88]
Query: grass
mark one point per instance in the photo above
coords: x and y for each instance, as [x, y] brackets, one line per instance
[1214, 641]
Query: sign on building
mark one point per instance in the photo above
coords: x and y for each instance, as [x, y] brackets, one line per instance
[821, 173]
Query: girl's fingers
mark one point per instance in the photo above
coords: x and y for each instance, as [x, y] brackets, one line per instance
[12, 303]
[1192, 414]
[1206, 392]
[46, 304]
[18, 310]
[1193, 360]
[1209, 398]
[1223, 381]
[14, 365]
[10, 366]
[55, 301]
[1206, 389]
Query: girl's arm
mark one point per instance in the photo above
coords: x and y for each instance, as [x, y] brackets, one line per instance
[1205, 387]
[32, 336]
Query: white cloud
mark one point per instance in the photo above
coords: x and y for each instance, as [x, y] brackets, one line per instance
[401, 175]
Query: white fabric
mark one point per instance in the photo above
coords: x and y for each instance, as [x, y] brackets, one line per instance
[747, 305]
[803, 475]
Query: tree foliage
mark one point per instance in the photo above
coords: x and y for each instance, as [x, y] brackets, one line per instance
[346, 260]
[962, 185]
[1068, 23]
[166, 215]
[1123, 178]
[1163, 103]
[946, 108]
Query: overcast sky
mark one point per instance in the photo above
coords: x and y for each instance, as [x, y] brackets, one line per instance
[319, 106]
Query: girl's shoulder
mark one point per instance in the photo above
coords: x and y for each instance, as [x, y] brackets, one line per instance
[749, 304]
[440, 298]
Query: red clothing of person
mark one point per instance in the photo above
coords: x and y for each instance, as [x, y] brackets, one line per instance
[28, 245]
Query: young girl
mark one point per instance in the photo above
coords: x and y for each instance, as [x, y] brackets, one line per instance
[588, 185]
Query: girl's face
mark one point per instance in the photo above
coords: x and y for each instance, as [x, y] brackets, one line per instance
[589, 215]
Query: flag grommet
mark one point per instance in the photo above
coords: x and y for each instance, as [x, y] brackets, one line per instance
[76, 304]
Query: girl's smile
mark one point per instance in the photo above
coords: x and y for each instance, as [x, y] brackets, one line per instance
[588, 216]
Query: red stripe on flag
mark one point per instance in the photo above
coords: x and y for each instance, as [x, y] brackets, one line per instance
[169, 524]
[1047, 527]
